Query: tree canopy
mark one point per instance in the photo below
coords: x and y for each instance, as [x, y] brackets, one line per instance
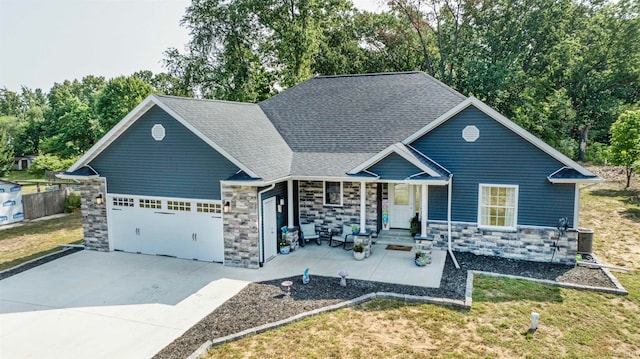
[562, 69]
[625, 142]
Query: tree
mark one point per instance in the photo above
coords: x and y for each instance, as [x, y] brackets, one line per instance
[222, 59]
[119, 96]
[6, 153]
[71, 123]
[625, 142]
[243, 50]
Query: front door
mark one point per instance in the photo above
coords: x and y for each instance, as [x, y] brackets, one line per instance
[270, 225]
[401, 205]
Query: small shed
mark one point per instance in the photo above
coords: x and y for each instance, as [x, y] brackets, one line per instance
[11, 209]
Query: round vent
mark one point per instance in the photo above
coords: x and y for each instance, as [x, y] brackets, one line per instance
[470, 133]
[157, 131]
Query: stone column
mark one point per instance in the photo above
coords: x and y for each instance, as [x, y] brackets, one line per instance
[241, 242]
[94, 215]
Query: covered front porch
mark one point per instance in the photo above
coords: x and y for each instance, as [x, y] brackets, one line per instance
[384, 265]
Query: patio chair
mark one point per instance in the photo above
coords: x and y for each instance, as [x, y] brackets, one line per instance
[309, 233]
[342, 238]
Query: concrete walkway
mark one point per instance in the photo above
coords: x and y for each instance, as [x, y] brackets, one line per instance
[121, 305]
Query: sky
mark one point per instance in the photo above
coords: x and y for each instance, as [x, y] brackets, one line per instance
[48, 41]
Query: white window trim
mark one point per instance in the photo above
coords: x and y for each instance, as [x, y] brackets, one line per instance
[324, 194]
[515, 214]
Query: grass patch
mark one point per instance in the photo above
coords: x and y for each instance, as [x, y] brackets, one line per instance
[491, 289]
[573, 324]
[13, 176]
[34, 239]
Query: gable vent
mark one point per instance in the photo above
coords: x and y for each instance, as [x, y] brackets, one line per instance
[470, 133]
[157, 131]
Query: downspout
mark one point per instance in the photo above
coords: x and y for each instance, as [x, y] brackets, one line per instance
[260, 239]
[455, 261]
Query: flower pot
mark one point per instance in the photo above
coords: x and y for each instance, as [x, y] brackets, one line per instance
[358, 255]
[285, 250]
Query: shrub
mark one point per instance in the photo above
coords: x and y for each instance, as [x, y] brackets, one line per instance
[597, 153]
[72, 202]
[52, 163]
[568, 146]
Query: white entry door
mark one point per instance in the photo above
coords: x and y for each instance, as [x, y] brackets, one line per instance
[269, 224]
[401, 205]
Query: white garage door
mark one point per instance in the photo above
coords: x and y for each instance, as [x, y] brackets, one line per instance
[183, 228]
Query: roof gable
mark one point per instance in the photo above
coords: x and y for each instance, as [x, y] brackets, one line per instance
[403, 159]
[472, 101]
[239, 132]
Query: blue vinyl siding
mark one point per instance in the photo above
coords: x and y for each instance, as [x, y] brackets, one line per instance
[394, 167]
[499, 156]
[181, 165]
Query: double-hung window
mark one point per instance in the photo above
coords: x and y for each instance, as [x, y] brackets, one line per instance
[498, 206]
[333, 193]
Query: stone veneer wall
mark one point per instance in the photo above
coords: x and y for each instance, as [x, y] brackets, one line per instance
[94, 216]
[241, 243]
[532, 244]
[313, 210]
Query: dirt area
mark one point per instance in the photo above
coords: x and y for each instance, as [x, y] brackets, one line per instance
[603, 211]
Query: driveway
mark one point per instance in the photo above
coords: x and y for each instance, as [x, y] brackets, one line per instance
[106, 305]
[122, 305]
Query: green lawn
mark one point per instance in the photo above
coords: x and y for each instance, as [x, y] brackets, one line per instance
[573, 324]
[25, 176]
[22, 175]
[35, 239]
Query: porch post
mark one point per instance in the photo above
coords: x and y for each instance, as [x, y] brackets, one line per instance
[290, 222]
[363, 203]
[424, 208]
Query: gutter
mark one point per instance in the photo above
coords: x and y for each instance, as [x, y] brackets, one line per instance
[449, 249]
[273, 185]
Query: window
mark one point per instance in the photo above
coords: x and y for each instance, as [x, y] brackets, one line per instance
[333, 193]
[123, 202]
[179, 206]
[150, 203]
[209, 207]
[498, 206]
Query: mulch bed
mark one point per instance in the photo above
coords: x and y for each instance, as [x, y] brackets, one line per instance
[261, 303]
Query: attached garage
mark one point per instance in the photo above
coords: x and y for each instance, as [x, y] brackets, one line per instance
[177, 227]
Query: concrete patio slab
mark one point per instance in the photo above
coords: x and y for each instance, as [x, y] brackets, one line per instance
[121, 305]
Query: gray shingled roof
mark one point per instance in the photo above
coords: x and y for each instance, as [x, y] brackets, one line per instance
[357, 113]
[321, 164]
[241, 129]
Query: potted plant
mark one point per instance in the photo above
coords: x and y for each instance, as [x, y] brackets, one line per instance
[355, 229]
[285, 248]
[414, 225]
[358, 251]
[419, 253]
[423, 260]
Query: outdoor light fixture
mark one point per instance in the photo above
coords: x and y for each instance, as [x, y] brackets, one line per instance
[226, 207]
[99, 199]
[280, 205]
